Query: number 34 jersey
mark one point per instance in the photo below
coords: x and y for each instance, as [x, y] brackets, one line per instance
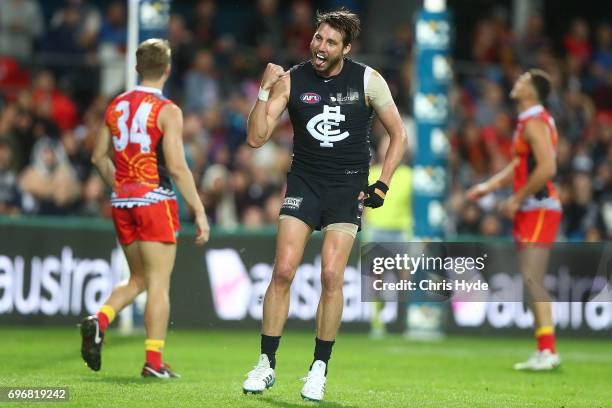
[141, 177]
[331, 120]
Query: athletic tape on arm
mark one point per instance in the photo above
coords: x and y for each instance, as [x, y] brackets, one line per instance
[376, 89]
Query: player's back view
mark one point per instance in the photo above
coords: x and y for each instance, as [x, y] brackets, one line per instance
[141, 180]
[137, 151]
[139, 160]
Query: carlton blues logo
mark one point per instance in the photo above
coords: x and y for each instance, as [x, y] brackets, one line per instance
[310, 98]
[325, 127]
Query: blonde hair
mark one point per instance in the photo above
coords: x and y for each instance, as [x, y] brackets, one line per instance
[152, 58]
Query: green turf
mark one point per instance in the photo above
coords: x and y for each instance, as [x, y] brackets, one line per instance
[458, 372]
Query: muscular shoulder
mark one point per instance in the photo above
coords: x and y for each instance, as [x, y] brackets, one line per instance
[169, 113]
[535, 127]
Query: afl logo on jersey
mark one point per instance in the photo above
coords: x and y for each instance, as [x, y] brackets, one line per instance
[310, 98]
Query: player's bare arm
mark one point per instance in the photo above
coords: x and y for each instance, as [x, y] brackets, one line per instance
[392, 122]
[379, 97]
[538, 137]
[170, 121]
[101, 157]
[264, 116]
[500, 180]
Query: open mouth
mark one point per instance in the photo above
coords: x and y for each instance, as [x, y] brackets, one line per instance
[320, 59]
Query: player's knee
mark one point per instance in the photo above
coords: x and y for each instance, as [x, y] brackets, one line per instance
[160, 296]
[157, 288]
[138, 282]
[283, 274]
[331, 279]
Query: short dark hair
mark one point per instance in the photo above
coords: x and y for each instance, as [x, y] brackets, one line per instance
[343, 20]
[541, 82]
[152, 58]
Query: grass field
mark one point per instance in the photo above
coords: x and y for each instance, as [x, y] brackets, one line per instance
[458, 372]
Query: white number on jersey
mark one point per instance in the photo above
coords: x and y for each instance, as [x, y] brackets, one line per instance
[138, 131]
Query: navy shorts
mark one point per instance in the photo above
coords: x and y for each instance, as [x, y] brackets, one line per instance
[321, 200]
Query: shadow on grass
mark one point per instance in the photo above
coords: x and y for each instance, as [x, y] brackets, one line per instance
[554, 371]
[125, 380]
[282, 404]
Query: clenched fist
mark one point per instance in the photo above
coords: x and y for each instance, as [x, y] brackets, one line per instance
[271, 76]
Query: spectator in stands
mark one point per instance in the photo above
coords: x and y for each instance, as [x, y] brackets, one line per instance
[217, 196]
[70, 48]
[579, 112]
[253, 217]
[272, 208]
[74, 28]
[264, 26]
[469, 219]
[51, 103]
[490, 103]
[236, 112]
[201, 87]
[9, 192]
[204, 24]
[602, 138]
[65, 103]
[532, 41]
[581, 213]
[490, 226]
[576, 42]
[602, 59]
[196, 144]
[471, 148]
[602, 67]
[21, 25]
[95, 203]
[111, 50]
[49, 182]
[298, 31]
[484, 49]
[497, 139]
[181, 43]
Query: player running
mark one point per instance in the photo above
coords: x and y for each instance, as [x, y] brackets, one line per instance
[331, 101]
[136, 152]
[534, 205]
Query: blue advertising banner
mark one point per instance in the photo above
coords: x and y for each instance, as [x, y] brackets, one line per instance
[431, 110]
[153, 17]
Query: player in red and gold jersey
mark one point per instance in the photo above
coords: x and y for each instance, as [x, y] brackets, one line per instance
[137, 151]
[534, 205]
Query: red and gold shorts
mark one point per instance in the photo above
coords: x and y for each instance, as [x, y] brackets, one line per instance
[538, 226]
[154, 222]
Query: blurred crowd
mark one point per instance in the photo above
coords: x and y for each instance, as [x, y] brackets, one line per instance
[483, 119]
[57, 74]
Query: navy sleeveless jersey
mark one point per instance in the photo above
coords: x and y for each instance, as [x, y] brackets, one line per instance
[331, 121]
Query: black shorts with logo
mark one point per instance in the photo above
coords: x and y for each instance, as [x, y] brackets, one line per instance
[321, 200]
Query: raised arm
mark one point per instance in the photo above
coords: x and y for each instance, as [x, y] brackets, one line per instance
[170, 121]
[271, 102]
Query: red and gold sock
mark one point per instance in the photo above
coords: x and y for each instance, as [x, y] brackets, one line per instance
[106, 315]
[545, 337]
[153, 350]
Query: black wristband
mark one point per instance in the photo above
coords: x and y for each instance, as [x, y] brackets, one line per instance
[381, 186]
